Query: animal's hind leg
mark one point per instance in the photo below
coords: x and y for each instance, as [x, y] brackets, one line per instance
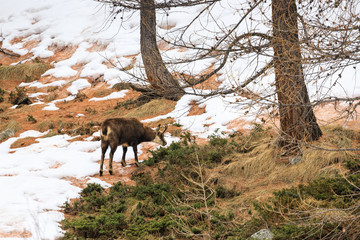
[113, 149]
[104, 147]
[136, 157]
[123, 163]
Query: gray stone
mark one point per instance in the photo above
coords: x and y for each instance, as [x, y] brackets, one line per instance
[6, 134]
[264, 234]
[295, 160]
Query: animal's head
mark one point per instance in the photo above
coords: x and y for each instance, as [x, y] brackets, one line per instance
[159, 138]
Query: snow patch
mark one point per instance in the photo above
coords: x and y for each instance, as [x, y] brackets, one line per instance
[113, 95]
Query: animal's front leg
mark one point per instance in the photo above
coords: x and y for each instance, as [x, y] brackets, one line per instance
[104, 147]
[123, 163]
[136, 157]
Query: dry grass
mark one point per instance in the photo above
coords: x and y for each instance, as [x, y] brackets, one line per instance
[102, 93]
[264, 169]
[259, 169]
[51, 97]
[46, 125]
[24, 72]
[23, 142]
[13, 125]
[152, 108]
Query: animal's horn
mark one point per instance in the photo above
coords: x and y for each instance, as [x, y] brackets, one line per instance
[158, 129]
[165, 129]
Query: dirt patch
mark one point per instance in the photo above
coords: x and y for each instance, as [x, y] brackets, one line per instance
[124, 174]
[195, 109]
[23, 142]
[15, 234]
[239, 125]
[31, 44]
[97, 47]
[61, 53]
[167, 26]
[56, 165]
[337, 114]
[163, 46]
[210, 84]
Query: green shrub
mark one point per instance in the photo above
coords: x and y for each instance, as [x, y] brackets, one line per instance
[90, 189]
[103, 226]
[222, 192]
[2, 93]
[30, 118]
[154, 207]
[19, 97]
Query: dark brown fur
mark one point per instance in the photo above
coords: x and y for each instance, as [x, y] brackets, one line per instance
[126, 132]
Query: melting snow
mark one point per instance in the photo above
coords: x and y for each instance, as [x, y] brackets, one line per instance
[32, 189]
[78, 85]
[113, 95]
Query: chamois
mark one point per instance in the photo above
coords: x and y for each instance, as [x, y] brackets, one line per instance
[126, 132]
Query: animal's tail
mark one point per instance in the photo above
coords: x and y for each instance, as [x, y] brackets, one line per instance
[105, 130]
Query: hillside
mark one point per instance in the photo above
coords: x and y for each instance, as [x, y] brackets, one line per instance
[61, 76]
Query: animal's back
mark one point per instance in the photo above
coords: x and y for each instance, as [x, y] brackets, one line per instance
[125, 130]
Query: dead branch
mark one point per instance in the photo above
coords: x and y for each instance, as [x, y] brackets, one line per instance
[11, 54]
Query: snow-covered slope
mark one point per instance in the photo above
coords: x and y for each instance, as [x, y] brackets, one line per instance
[32, 179]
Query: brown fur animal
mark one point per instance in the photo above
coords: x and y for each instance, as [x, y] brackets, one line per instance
[126, 132]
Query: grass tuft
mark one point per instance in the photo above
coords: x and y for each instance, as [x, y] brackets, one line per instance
[152, 108]
[23, 72]
[189, 191]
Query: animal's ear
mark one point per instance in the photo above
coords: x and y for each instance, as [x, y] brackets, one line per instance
[166, 127]
[158, 128]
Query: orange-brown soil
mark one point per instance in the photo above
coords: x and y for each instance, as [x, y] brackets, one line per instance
[195, 109]
[98, 111]
[23, 142]
[15, 234]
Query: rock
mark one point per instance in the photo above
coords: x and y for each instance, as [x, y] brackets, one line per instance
[25, 100]
[295, 160]
[265, 234]
[6, 134]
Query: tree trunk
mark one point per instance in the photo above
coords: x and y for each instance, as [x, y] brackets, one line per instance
[297, 119]
[158, 75]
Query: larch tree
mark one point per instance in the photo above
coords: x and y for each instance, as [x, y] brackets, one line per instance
[297, 119]
[162, 82]
[297, 42]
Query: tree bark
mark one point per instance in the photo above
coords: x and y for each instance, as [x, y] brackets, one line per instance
[158, 75]
[297, 119]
